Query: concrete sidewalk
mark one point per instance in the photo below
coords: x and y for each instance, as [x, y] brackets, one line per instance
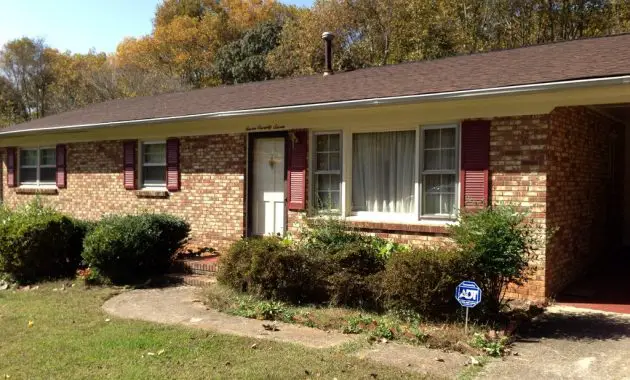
[182, 306]
[569, 343]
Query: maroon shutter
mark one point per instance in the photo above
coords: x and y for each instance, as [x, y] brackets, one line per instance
[129, 164]
[298, 149]
[475, 163]
[61, 166]
[11, 159]
[172, 165]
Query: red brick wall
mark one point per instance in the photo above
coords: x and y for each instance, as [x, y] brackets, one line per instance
[556, 166]
[212, 183]
[518, 178]
[517, 165]
[584, 192]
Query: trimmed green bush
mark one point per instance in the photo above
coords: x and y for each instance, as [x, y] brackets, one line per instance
[424, 280]
[500, 243]
[37, 242]
[353, 275]
[271, 268]
[133, 248]
[330, 235]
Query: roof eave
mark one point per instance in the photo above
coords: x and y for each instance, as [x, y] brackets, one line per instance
[491, 91]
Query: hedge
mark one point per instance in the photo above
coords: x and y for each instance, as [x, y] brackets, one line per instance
[37, 242]
[133, 248]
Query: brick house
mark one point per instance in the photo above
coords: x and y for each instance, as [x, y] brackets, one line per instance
[395, 150]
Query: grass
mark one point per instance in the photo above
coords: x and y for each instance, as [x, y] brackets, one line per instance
[72, 338]
[408, 327]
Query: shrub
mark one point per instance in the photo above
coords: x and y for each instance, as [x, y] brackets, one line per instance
[353, 275]
[133, 248]
[38, 242]
[423, 280]
[500, 242]
[269, 267]
[330, 235]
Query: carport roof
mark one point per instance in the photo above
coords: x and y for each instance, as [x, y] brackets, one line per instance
[557, 62]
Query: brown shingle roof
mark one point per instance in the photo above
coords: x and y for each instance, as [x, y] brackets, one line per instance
[588, 58]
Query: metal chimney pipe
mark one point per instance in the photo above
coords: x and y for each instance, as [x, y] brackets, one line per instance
[328, 38]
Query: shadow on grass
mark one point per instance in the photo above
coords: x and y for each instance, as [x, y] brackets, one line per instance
[576, 327]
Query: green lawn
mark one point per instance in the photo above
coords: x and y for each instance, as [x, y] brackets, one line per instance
[70, 338]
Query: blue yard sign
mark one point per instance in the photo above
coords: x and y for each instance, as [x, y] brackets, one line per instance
[468, 294]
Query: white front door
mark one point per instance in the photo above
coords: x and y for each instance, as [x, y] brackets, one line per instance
[268, 186]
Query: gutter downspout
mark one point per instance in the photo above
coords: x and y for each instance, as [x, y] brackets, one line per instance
[405, 99]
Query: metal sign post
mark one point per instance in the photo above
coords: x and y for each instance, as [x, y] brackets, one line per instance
[468, 294]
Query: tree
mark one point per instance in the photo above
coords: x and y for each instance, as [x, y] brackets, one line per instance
[25, 63]
[79, 80]
[244, 60]
[300, 50]
[12, 109]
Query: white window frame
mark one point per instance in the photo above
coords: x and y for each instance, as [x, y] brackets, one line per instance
[142, 165]
[422, 172]
[314, 172]
[38, 182]
[346, 176]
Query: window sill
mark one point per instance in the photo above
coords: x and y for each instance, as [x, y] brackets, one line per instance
[424, 226]
[152, 193]
[38, 190]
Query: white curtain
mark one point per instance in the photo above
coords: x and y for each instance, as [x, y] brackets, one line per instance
[383, 171]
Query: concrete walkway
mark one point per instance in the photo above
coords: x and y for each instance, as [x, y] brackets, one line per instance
[182, 306]
[569, 343]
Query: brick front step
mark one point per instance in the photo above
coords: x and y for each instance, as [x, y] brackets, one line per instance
[192, 279]
[201, 266]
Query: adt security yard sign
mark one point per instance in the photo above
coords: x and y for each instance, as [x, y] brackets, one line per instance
[468, 294]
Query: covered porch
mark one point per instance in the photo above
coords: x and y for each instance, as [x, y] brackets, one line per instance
[604, 208]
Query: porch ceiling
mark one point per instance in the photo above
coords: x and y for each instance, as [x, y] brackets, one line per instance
[620, 111]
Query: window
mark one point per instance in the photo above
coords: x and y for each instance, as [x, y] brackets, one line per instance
[327, 171]
[153, 164]
[402, 176]
[383, 172]
[439, 171]
[38, 166]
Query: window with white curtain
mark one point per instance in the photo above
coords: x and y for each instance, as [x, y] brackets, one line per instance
[327, 171]
[439, 171]
[38, 166]
[383, 168]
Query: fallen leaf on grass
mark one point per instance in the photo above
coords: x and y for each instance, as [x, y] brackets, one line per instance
[270, 327]
[30, 324]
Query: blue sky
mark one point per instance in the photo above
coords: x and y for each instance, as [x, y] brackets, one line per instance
[78, 25]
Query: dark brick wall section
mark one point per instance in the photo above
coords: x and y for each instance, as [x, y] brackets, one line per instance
[584, 192]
